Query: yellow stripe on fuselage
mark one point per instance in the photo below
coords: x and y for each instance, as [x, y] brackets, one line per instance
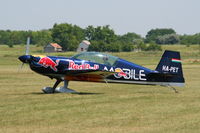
[41, 56]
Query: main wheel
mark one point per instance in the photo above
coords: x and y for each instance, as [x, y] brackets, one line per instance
[48, 90]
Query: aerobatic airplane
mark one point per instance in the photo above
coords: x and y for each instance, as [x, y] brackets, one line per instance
[101, 67]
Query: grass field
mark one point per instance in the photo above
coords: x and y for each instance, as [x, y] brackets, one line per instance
[116, 108]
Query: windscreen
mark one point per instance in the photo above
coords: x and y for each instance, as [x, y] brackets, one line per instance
[96, 57]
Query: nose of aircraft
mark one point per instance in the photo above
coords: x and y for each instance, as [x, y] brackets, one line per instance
[25, 58]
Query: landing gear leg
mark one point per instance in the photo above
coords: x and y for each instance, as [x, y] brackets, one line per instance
[55, 85]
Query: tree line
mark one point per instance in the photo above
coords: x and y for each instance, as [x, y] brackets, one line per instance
[102, 38]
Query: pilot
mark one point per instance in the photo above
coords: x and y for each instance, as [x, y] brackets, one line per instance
[105, 61]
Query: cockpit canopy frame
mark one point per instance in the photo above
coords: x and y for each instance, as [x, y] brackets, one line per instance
[97, 57]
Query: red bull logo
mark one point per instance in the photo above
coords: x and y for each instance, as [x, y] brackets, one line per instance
[48, 62]
[120, 72]
[74, 66]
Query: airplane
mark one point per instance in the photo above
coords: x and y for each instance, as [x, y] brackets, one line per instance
[102, 67]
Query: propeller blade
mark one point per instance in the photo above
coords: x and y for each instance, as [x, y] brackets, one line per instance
[27, 46]
[20, 67]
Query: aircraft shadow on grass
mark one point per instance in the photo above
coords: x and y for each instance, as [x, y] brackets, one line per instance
[77, 93]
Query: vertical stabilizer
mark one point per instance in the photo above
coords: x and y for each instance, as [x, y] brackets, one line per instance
[170, 64]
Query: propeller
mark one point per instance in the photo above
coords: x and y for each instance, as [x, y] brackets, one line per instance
[25, 58]
[27, 46]
[20, 67]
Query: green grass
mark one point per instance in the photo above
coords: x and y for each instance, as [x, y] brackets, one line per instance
[117, 108]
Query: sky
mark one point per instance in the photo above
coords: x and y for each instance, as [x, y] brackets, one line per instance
[123, 16]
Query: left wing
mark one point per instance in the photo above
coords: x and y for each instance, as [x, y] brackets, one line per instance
[88, 75]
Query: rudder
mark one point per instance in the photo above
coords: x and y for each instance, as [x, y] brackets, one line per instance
[170, 63]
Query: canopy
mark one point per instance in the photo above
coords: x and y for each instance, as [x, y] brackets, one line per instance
[97, 57]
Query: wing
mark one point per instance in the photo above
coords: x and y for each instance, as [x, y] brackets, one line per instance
[88, 75]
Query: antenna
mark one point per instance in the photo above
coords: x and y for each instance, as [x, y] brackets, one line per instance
[27, 46]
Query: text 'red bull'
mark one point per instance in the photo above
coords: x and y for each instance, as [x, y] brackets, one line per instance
[74, 66]
[48, 62]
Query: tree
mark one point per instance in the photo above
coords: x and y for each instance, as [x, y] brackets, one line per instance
[4, 36]
[13, 37]
[190, 39]
[127, 47]
[168, 39]
[67, 35]
[154, 33]
[99, 46]
[18, 37]
[100, 33]
[113, 47]
[139, 44]
[41, 38]
[153, 47]
[129, 37]
[102, 38]
[90, 33]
